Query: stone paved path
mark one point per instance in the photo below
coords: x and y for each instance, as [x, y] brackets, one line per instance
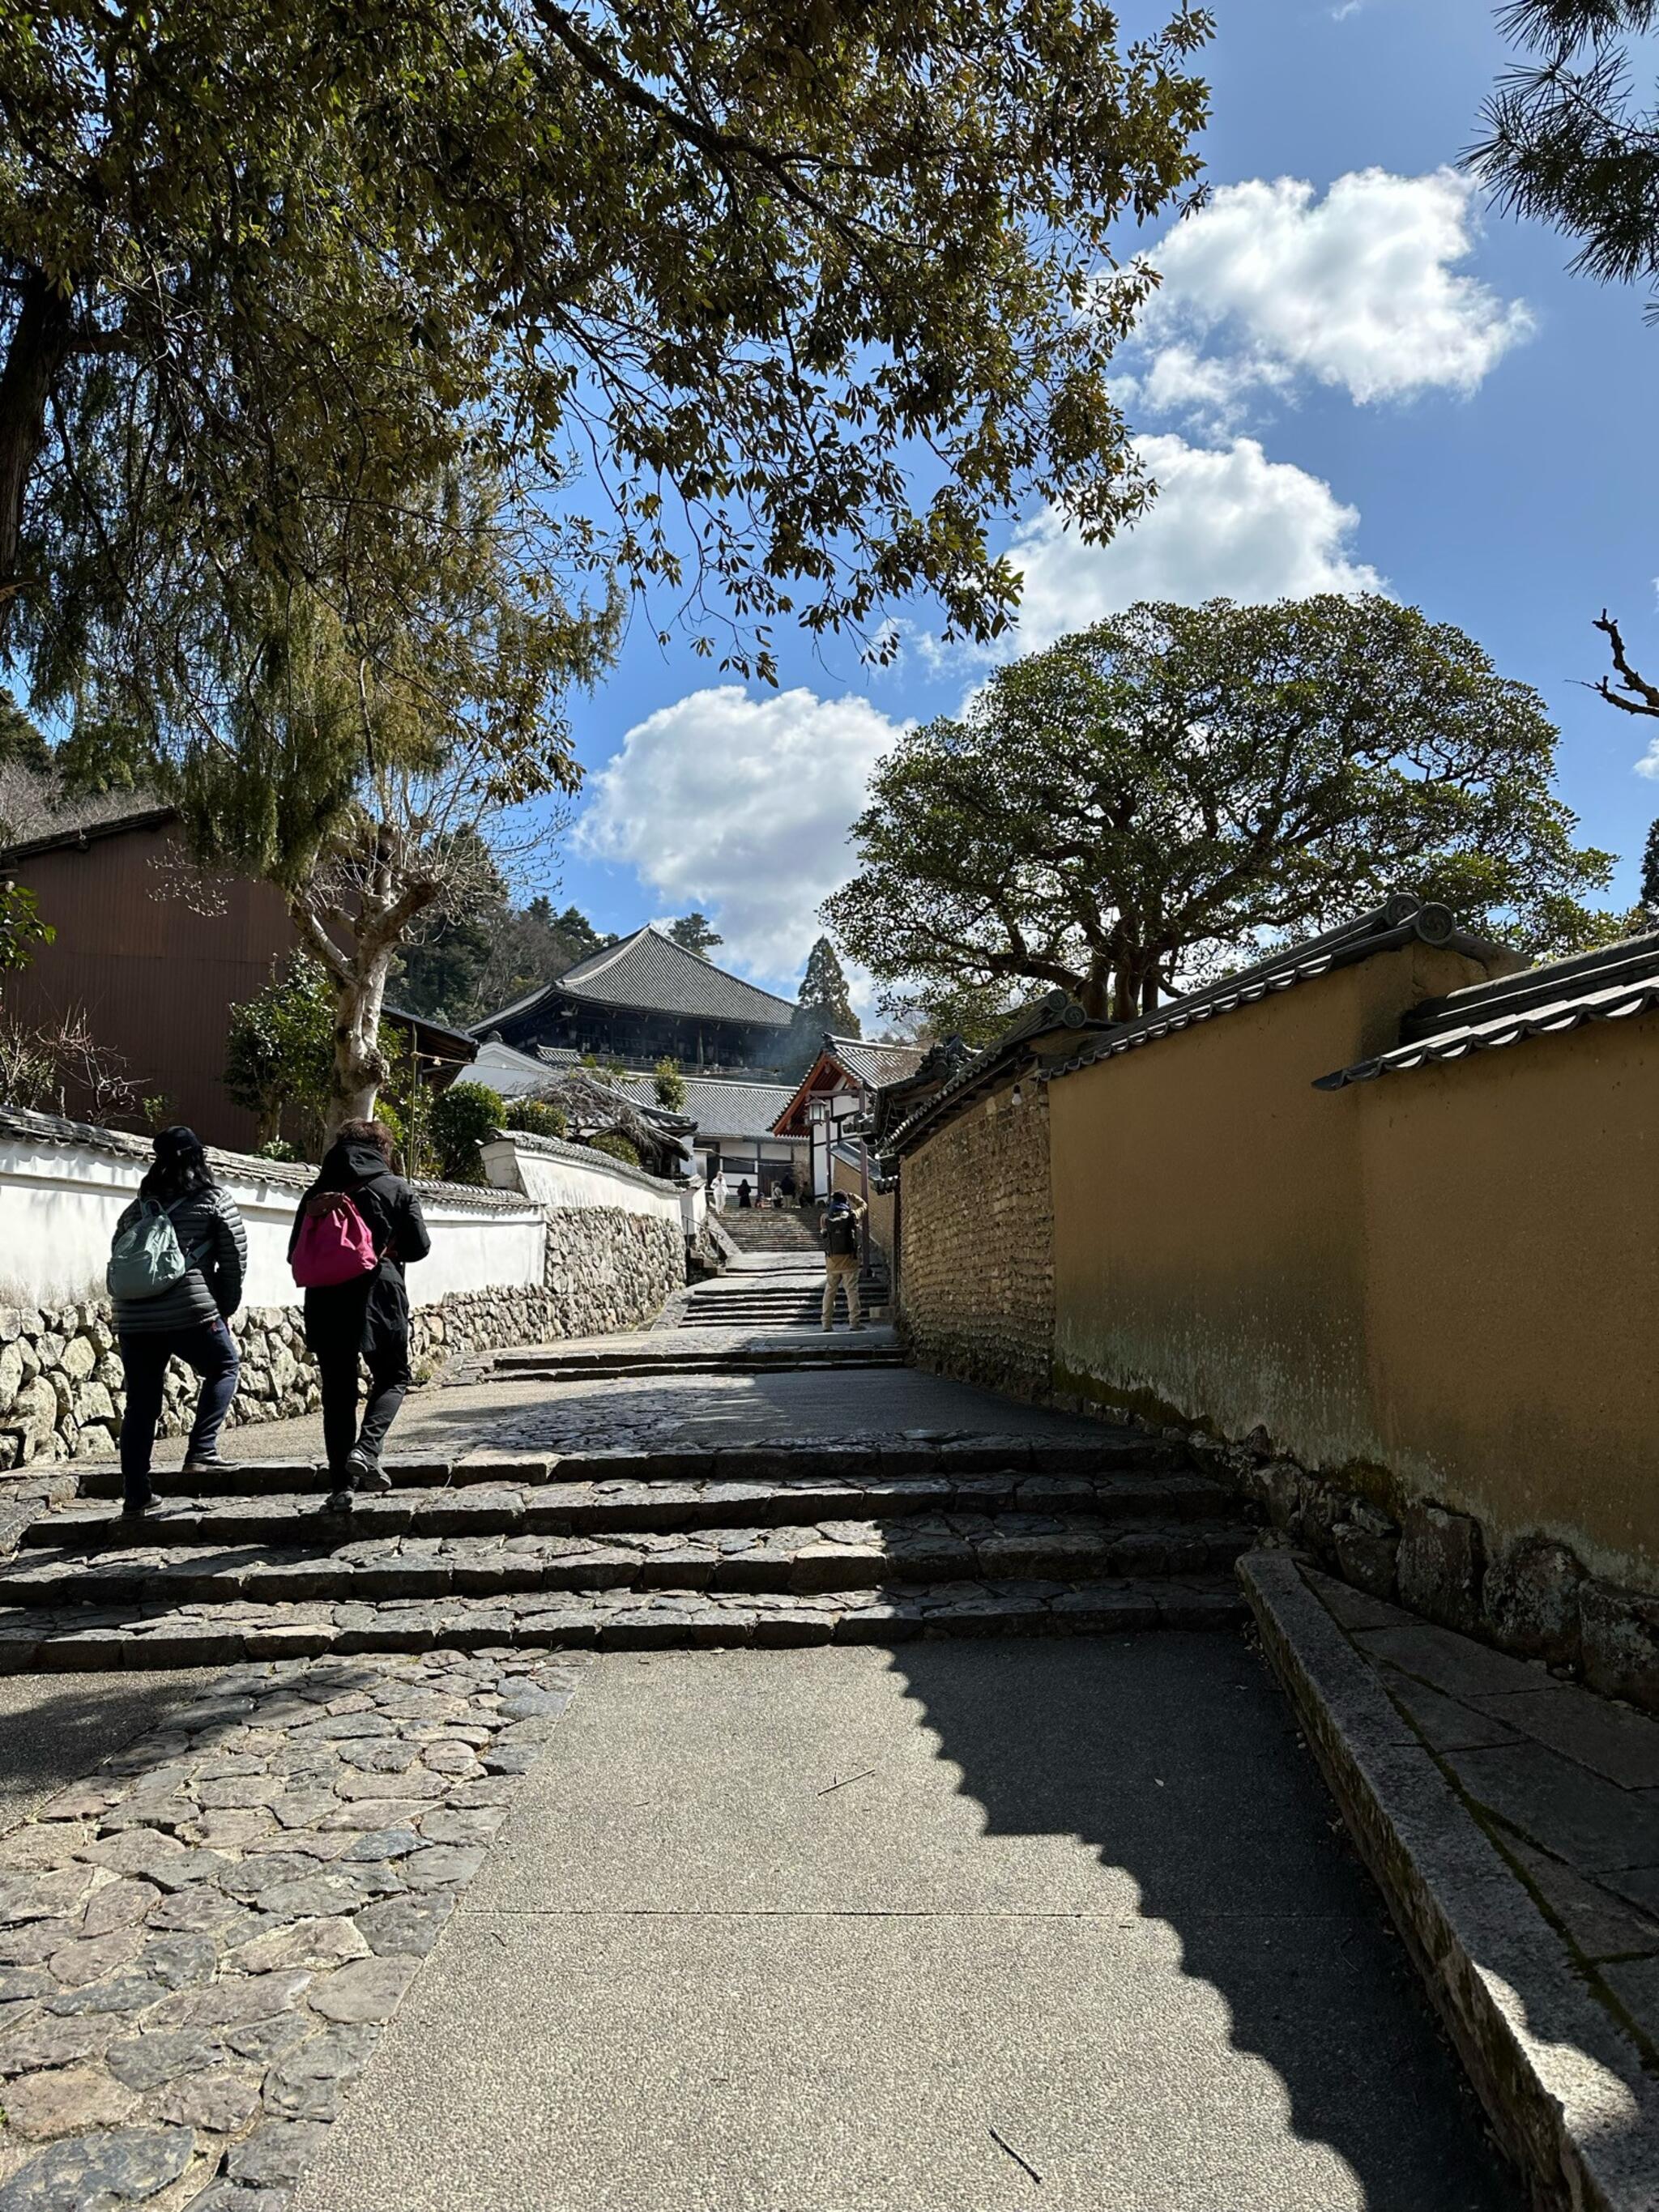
[883, 1929]
[1565, 1781]
[200, 1941]
[860, 1931]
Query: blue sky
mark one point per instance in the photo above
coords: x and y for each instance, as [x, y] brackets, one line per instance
[1402, 387]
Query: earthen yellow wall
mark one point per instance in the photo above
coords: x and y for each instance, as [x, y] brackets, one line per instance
[1512, 1308]
[1445, 1284]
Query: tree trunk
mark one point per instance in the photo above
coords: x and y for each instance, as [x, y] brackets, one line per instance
[359, 1067]
[41, 342]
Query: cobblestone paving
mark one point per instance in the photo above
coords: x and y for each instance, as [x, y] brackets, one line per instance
[200, 1943]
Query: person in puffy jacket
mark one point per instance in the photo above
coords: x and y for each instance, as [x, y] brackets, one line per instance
[189, 1319]
[367, 1318]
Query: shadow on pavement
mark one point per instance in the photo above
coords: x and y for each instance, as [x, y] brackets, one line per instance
[1222, 1821]
[55, 1728]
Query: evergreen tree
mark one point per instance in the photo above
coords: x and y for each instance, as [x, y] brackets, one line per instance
[825, 1004]
[1650, 872]
[693, 931]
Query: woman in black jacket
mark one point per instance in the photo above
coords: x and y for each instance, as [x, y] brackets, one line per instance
[188, 1319]
[366, 1317]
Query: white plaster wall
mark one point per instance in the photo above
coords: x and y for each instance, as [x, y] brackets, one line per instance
[59, 1204]
[554, 1181]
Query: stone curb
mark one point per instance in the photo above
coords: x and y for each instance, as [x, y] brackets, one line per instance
[1565, 2089]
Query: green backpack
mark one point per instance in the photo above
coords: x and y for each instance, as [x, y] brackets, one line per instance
[146, 1257]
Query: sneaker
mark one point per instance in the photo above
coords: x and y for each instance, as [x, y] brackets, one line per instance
[366, 1473]
[339, 1502]
[134, 1509]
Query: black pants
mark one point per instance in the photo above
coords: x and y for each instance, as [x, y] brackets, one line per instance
[210, 1349]
[388, 1380]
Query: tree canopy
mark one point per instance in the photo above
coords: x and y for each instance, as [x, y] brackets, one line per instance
[1162, 793]
[1567, 139]
[825, 1004]
[698, 283]
[694, 933]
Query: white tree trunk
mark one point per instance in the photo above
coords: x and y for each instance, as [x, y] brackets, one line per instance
[359, 1067]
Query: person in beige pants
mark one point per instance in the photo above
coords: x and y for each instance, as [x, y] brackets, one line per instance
[840, 1228]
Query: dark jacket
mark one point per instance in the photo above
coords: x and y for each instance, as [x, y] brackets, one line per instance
[213, 1240]
[840, 1230]
[370, 1314]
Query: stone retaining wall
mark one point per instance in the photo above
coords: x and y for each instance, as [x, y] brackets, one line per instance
[61, 1394]
[1532, 1596]
[976, 1272]
[609, 1269]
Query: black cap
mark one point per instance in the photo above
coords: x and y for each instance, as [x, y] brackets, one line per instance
[176, 1144]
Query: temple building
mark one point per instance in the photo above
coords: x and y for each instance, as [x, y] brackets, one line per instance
[643, 1000]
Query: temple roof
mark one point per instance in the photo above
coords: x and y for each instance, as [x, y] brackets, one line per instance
[649, 972]
[873, 1063]
[719, 1107]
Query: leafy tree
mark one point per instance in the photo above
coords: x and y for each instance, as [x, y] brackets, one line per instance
[537, 1117]
[616, 1147]
[693, 931]
[1567, 141]
[460, 1120]
[1158, 795]
[669, 1085]
[260, 265]
[279, 1052]
[466, 968]
[22, 933]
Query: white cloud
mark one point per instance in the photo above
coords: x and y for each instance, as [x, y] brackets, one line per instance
[741, 806]
[1226, 523]
[1359, 290]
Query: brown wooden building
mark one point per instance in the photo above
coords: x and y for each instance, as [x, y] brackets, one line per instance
[157, 956]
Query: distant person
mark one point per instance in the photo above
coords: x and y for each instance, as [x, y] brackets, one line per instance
[745, 1195]
[774, 1196]
[717, 1190]
[175, 1274]
[787, 1183]
[358, 1227]
[840, 1233]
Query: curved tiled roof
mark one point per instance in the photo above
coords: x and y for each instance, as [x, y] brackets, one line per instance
[1395, 922]
[649, 972]
[290, 1175]
[1608, 985]
[875, 1063]
[718, 1107]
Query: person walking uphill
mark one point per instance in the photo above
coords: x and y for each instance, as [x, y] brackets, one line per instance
[175, 1275]
[358, 1227]
[840, 1232]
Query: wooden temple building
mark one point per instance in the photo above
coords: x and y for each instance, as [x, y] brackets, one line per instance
[643, 1000]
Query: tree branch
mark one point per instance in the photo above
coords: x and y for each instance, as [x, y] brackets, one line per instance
[1646, 701]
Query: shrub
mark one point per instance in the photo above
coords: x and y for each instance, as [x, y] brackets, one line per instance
[670, 1086]
[537, 1117]
[460, 1120]
[619, 1148]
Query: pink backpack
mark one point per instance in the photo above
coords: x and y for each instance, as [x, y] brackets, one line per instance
[335, 1244]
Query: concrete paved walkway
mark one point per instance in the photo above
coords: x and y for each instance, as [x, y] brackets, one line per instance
[956, 1926]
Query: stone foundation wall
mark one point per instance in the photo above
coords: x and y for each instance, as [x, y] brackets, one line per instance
[1532, 1597]
[608, 1269]
[61, 1394]
[976, 1265]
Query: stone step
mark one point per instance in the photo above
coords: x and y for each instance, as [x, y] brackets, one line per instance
[806, 1359]
[805, 1560]
[205, 1635]
[1116, 1451]
[616, 1505]
[531, 1365]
